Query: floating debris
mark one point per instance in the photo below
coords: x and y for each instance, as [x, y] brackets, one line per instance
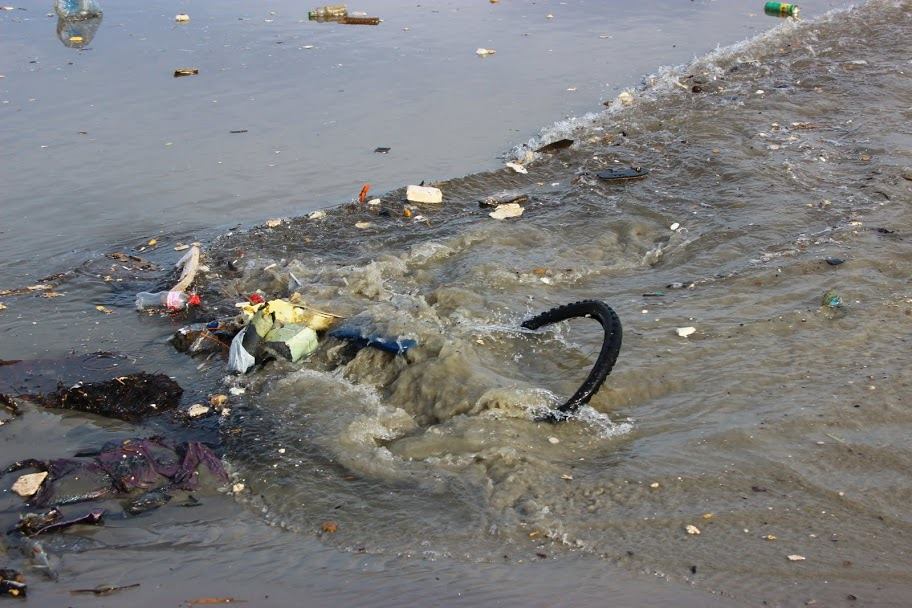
[692, 529]
[685, 331]
[484, 52]
[186, 72]
[506, 211]
[28, 485]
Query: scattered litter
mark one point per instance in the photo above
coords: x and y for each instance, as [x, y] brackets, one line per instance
[382, 150]
[831, 299]
[503, 198]
[12, 583]
[674, 226]
[171, 300]
[28, 485]
[329, 527]
[359, 332]
[835, 261]
[685, 331]
[363, 225]
[517, 167]
[186, 72]
[212, 601]
[104, 309]
[356, 20]
[101, 590]
[553, 440]
[567, 477]
[237, 488]
[484, 52]
[362, 196]
[330, 12]
[654, 485]
[625, 98]
[77, 10]
[769, 537]
[130, 397]
[181, 247]
[796, 558]
[781, 9]
[507, 211]
[182, 17]
[555, 146]
[692, 529]
[235, 131]
[423, 194]
[374, 202]
[197, 409]
[317, 215]
[613, 175]
[708, 515]
[2, 306]
[273, 223]
[237, 390]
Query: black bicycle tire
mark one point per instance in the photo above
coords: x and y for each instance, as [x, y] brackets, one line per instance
[611, 348]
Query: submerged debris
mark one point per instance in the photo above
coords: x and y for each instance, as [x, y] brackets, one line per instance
[131, 398]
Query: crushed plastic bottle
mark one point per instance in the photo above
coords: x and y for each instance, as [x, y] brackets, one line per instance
[77, 9]
[172, 300]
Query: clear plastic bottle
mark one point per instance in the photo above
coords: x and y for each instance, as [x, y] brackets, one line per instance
[172, 300]
[77, 9]
[330, 12]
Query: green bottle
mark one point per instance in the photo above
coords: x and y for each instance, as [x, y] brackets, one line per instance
[781, 9]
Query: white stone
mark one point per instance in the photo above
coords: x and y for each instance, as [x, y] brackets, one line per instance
[517, 167]
[674, 226]
[424, 194]
[27, 485]
[509, 210]
[686, 331]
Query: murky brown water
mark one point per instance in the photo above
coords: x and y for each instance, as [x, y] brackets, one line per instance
[776, 428]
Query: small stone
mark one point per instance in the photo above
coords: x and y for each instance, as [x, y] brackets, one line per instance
[273, 223]
[27, 485]
[906, 173]
[625, 98]
[281, 450]
[691, 529]
[796, 558]
[424, 194]
[553, 440]
[835, 261]
[674, 226]
[363, 225]
[685, 331]
[198, 409]
[317, 215]
[517, 167]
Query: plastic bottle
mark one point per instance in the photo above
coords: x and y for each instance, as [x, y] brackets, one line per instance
[77, 9]
[330, 12]
[172, 300]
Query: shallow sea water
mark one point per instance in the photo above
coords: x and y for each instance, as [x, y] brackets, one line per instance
[776, 429]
